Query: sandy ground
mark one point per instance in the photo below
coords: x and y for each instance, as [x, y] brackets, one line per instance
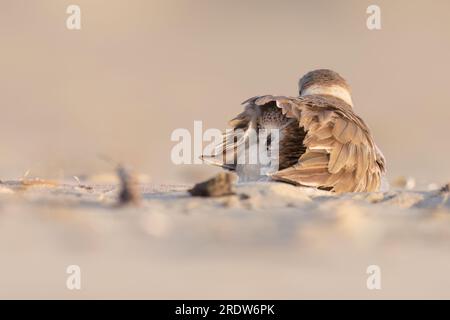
[269, 241]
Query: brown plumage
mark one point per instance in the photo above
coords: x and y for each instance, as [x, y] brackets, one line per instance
[325, 145]
[257, 118]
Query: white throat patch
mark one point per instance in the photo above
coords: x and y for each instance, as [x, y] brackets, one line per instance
[335, 91]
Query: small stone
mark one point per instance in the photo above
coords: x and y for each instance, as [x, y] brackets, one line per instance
[218, 186]
[375, 197]
[402, 182]
[445, 188]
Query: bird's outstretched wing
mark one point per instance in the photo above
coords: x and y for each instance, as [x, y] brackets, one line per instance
[340, 152]
[225, 154]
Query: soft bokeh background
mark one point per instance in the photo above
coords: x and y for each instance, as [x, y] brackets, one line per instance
[140, 69]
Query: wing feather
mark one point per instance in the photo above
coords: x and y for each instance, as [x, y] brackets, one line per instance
[340, 151]
[231, 140]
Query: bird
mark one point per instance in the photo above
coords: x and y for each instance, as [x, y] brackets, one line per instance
[322, 143]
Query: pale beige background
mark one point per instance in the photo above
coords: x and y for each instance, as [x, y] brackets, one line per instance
[139, 69]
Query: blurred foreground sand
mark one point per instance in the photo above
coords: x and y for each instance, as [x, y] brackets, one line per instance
[279, 242]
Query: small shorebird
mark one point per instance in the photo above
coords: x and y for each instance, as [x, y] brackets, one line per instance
[322, 142]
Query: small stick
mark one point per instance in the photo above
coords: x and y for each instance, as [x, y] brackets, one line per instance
[129, 187]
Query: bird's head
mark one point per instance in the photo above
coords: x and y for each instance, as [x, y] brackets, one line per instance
[326, 82]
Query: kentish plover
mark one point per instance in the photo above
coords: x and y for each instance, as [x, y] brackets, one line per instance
[322, 142]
